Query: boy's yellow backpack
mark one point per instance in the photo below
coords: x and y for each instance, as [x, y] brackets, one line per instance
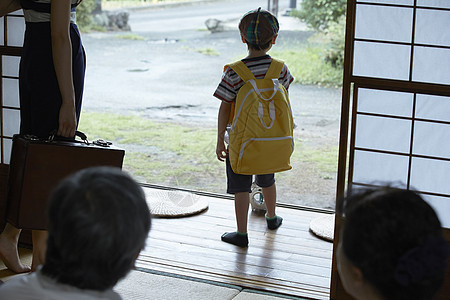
[261, 135]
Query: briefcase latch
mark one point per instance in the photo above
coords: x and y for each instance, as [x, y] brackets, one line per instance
[102, 143]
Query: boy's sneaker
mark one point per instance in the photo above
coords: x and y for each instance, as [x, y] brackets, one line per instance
[235, 238]
[274, 222]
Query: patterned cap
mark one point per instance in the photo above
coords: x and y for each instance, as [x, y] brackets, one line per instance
[258, 26]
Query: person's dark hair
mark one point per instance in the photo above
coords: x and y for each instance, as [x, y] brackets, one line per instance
[395, 238]
[98, 222]
[259, 47]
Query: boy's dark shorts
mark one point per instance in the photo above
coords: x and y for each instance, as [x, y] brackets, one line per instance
[237, 183]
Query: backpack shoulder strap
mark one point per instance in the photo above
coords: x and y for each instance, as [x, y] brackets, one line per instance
[242, 70]
[275, 68]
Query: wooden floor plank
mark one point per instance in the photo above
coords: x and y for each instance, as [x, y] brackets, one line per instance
[212, 256]
[187, 234]
[272, 246]
[258, 225]
[305, 291]
[289, 260]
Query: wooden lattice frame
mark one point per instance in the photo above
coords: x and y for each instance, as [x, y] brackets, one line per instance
[351, 85]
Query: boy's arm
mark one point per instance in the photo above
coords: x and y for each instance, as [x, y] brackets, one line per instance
[222, 121]
[285, 77]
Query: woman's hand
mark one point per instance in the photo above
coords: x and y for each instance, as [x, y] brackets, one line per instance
[67, 120]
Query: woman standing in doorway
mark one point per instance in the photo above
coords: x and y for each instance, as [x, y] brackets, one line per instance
[51, 81]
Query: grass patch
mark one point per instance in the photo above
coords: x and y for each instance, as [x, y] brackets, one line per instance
[187, 142]
[325, 159]
[208, 51]
[113, 4]
[130, 36]
[150, 169]
[157, 152]
[116, 4]
[308, 66]
[184, 156]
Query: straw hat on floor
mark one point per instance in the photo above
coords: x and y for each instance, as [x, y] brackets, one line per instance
[323, 227]
[173, 203]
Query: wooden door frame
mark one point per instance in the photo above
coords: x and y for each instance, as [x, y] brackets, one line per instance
[4, 168]
[344, 168]
[337, 291]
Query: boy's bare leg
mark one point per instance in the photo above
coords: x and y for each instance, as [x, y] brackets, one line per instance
[239, 238]
[270, 198]
[39, 248]
[8, 249]
[241, 202]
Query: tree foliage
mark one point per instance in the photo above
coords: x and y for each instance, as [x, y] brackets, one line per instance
[335, 43]
[319, 14]
[84, 14]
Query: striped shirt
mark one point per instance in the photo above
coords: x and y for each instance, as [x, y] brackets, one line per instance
[231, 82]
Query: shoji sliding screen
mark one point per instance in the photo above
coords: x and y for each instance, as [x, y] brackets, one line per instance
[11, 38]
[12, 28]
[401, 104]
[395, 123]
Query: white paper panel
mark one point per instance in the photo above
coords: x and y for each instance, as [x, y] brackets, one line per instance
[2, 32]
[17, 13]
[10, 92]
[386, 134]
[385, 102]
[11, 66]
[429, 27]
[429, 175]
[433, 107]
[7, 145]
[381, 60]
[431, 65]
[11, 122]
[402, 2]
[434, 3]
[441, 206]
[16, 30]
[372, 167]
[376, 23]
[431, 139]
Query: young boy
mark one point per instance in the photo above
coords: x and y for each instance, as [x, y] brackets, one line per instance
[259, 30]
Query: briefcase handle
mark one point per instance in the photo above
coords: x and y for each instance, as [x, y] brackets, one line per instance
[82, 136]
[53, 137]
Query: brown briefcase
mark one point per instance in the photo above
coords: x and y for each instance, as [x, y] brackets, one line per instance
[37, 166]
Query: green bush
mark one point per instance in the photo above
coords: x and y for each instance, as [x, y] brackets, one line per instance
[327, 17]
[335, 43]
[318, 14]
[84, 14]
[308, 66]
